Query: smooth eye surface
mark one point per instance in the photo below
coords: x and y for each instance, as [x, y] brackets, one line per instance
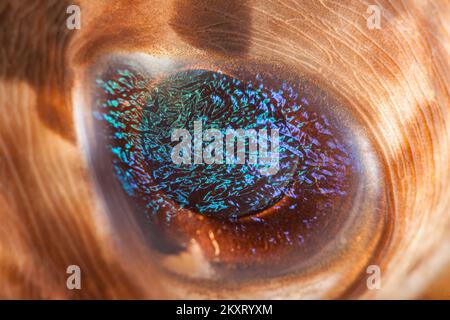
[254, 168]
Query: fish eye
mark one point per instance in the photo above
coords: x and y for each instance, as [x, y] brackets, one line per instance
[245, 169]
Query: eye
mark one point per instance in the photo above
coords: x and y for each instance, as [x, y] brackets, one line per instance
[254, 170]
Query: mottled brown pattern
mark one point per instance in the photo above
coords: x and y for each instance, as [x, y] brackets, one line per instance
[38, 58]
[396, 80]
[220, 26]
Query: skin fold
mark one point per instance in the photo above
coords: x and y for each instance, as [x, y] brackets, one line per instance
[395, 80]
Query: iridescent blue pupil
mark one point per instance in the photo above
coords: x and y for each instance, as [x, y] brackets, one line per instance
[143, 114]
[218, 101]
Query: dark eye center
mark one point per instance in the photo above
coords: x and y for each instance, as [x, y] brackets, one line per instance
[228, 175]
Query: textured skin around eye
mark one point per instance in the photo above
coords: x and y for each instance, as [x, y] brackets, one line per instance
[307, 198]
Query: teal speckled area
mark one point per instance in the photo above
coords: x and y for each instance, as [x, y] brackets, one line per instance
[139, 115]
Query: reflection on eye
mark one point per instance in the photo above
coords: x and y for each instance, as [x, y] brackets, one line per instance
[248, 218]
